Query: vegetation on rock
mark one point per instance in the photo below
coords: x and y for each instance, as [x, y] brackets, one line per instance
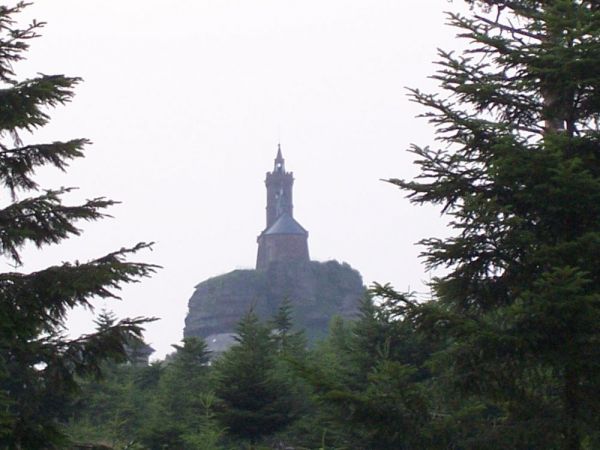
[317, 291]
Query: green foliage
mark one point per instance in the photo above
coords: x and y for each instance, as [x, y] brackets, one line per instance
[101, 410]
[518, 174]
[288, 343]
[189, 402]
[254, 399]
[369, 385]
[38, 364]
[181, 405]
[505, 356]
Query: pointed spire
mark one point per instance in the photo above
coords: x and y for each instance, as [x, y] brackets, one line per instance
[279, 161]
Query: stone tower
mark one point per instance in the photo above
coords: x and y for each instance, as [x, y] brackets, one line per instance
[283, 239]
[318, 290]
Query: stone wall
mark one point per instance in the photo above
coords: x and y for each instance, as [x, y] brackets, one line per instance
[290, 248]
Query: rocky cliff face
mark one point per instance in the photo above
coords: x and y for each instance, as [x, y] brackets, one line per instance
[316, 290]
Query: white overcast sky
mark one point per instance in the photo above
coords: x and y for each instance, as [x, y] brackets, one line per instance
[185, 102]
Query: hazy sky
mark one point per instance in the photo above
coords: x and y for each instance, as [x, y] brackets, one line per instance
[185, 105]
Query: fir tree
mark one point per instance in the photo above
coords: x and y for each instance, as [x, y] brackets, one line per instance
[38, 364]
[105, 320]
[178, 407]
[288, 343]
[519, 175]
[372, 398]
[255, 400]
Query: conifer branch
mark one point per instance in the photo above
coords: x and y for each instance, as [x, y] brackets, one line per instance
[13, 42]
[22, 105]
[68, 285]
[18, 164]
[44, 220]
[512, 30]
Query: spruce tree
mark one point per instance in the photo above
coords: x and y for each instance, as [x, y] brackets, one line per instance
[38, 363]
[517, 170]
[178, 406]
[255, 400]
[288, 343]
[374, 397]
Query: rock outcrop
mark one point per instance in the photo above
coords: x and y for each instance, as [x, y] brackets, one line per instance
[317, 291]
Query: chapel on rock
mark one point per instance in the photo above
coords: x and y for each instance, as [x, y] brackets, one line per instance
[316, 290]
[283, 239]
